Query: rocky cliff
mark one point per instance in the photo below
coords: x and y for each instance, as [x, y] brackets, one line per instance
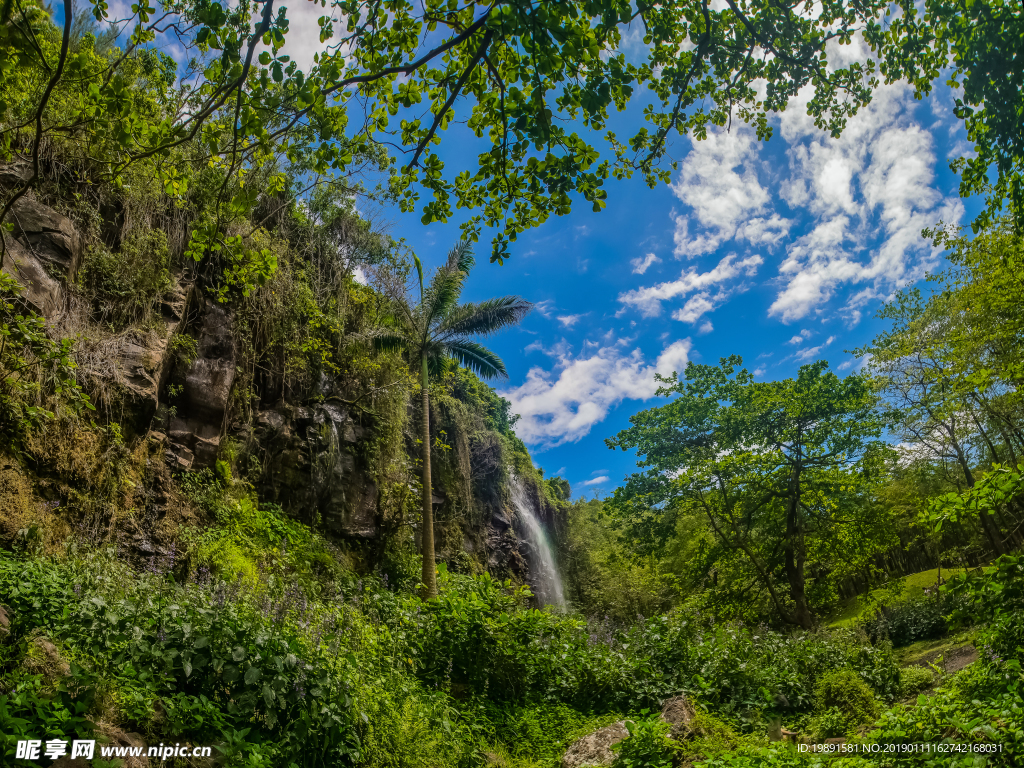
[334, 448]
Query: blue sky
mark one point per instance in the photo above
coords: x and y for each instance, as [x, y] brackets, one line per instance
[781, 252]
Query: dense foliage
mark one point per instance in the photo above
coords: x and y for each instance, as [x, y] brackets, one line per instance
[792, 557]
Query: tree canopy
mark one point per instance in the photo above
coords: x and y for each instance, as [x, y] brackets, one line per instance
[771, 466]
[975, 47]
[533, 84]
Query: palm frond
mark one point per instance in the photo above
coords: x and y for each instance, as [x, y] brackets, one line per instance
[485, 317]
[390, 340]
[446, 285]
[461, 257]
[419, 271]
[478, 358]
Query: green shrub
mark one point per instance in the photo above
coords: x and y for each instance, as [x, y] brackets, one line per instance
[907, 621]
[123, 286]
[36, 372]
[534, 731]
[913, 680]
[709, 736]
[225, 662]
[647, 745]
[842, 702]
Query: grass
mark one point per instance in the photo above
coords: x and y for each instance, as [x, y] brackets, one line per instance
[850, 611]
[917, 652]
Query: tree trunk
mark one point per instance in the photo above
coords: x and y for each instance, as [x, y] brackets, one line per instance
[796, 555]
[427, 526]
[988, 525]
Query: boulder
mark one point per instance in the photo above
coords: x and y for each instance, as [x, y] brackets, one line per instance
[44, 659]
[595, 749]
[14, 175]
[678, 712]
[49, 236]
[42, 294]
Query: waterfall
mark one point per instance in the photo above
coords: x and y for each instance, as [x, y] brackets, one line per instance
[547, 584]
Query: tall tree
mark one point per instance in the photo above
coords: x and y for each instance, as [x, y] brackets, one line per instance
[771, 465]
[438, 331]
[951, 365]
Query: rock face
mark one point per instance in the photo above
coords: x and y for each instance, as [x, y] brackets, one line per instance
[201, 408]
[43, 248]
[145, 362]
[595, 749]
[43, 294]
[310, 465]
[49, 236]
[313, 458]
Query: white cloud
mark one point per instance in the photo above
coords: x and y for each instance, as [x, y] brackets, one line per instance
[805, 355]
[718, 181]
[595, 481]
[562, 405]
[759, 371]
[648, 300]
[800, 338]
[641, 264]
[545, 307]
[302, 42]
[706, 327]
[848, 211]
[868, 195]
[568, 321]
[857, 364]
[558, 350]
[695, 308]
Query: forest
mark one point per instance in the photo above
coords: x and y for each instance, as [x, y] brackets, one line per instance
[258, 492]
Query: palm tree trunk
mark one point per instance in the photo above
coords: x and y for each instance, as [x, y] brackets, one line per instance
[427, 532]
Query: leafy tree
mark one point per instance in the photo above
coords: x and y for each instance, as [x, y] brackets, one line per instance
[987, 339]
[973, 45]
[777, 468]
[930, 409]
[439, 331]
[951, 364]
[530, 73]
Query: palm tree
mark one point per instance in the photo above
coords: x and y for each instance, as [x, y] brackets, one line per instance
[433, 333]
